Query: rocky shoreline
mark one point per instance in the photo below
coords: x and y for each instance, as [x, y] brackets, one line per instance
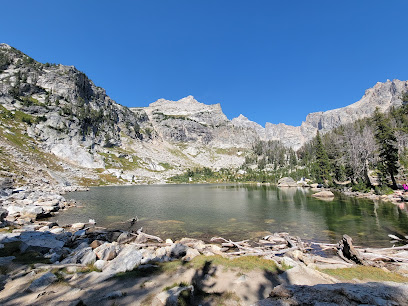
[37, 256]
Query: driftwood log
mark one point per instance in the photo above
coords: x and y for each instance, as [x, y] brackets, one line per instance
[271, 245]
[143, 237]
[275, 245]
[348, 253]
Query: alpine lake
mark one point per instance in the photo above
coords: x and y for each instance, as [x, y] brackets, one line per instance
[237, 212]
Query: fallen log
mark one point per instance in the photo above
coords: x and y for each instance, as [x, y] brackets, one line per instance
[238, 244]
[263, 252]
[143, 237]
[289, 241]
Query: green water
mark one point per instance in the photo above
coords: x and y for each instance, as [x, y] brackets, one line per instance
[238, 212]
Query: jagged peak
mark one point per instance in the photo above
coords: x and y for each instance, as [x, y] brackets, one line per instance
[241, 117]
[188, 99]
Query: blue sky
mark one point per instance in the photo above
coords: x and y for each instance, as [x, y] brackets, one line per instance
[273, 61]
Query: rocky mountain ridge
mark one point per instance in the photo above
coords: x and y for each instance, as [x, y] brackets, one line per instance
[75, 130]
[382, 95]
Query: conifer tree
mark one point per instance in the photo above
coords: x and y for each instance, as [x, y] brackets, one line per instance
[388, 149]
[322, 164]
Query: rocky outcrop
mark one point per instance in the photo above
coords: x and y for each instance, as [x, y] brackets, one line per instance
[71, 116]
[189, 121]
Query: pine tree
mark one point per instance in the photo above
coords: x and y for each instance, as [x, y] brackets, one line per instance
[388, 149]
[322, 164]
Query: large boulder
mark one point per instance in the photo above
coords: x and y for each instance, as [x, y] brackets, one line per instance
[107, 251]
[25, 210]
[128, 259]
[287, 182]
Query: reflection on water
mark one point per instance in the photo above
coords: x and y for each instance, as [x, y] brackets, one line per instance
[238, 212]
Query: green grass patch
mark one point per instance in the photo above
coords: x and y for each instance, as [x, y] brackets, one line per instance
[228, 151]
[89, 268]
[181, 284]
[365, 273]
[28, 101]
[103, 180]
[178, 153]
[166, 166]
[113, 161]
[245, 263]
[8, 229]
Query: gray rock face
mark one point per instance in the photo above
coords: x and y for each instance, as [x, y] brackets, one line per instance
[386, 293]
[42, 282]
[128, 259]
[302, 275]
[107, 251]
[75, 113]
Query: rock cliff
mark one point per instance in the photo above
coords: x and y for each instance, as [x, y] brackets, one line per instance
[73, 125]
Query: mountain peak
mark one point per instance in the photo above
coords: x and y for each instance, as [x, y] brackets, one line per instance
[5, 46]
[189, 98]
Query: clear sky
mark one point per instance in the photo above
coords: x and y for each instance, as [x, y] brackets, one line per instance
[273, 61]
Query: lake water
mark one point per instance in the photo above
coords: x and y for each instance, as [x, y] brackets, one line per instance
[237, 212]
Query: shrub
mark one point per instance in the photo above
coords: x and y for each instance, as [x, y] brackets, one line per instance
[381, 190]
[361, 187]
